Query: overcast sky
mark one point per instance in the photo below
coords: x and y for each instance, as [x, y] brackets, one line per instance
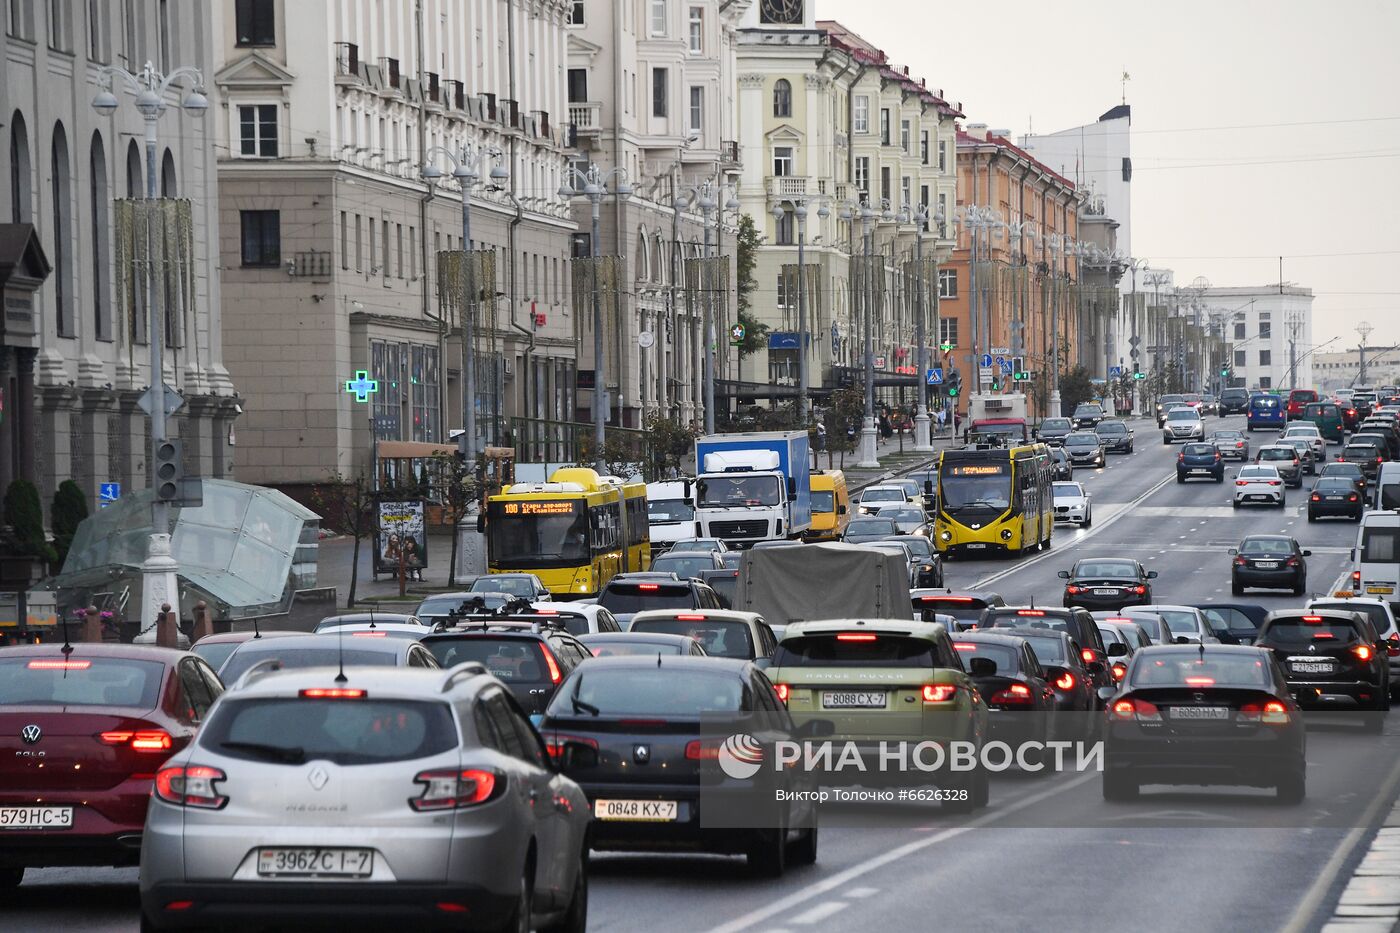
[1260, 129]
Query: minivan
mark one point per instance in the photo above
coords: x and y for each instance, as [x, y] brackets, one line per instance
[1376, 557]
[1328, 418]
[1388, 487]
[1297, 399]
[1265, 411]
[831, 505]
[1234, 402]
[670, 514]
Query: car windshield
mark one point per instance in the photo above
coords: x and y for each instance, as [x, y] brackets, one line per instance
[538, 533]
[331, 655]
[365, 731]
[1003, 656]
[1068, 491]
[75, 680]
[883, 494]
[683, 565]
[855, 649]
[1105, 569]
[638, 597]
[1263, 546]
[1111, 427]
[871, 526]
[1084, 410]
[669, 511]
[823, 501]
[719, 492]
[514, 586]
[1299, 631]
[1169, 400]
[1380, 619]
[1055, 424]
[1082, 440]
[1183, 414]
[1197, 669]
[984, 486]
[651, 691]
[721, 638]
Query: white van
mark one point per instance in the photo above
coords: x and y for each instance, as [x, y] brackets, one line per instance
[1376, 558]
[670, 514]
[1388, 486]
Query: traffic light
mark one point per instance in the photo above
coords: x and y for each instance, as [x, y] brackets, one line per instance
[954, 384]
[169, 469]
[996, 382]
[1137, 371]
[1139, 375]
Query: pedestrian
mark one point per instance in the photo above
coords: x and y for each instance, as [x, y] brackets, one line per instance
[413, 561]
[821, 437]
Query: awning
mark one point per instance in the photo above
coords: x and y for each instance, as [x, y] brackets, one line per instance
[398, 450]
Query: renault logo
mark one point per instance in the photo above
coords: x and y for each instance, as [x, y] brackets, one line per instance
[641, 754]
[318, 777]
[1312, 649]
[30, 734]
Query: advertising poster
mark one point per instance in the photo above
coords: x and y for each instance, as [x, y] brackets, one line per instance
[401, 530]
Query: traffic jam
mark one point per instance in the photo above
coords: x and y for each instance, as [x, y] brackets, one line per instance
[461, 765]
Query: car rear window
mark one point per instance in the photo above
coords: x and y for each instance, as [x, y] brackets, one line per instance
[1199, 450]
[1105, 569]
[721, 638]
[855, 649]
[620, 647]
[1380, 545]
[1047, 650]
[330, 656]
[963, 608]
[1273, 547]
[1000, 655]
[440, 606]
[513, 660]
[1154, 624]
[1297, 631]
[77, 681]
[1180, 622]
[1264, 403]
[1278, 453]
[216, 653]
[689, 565]
[1195, 670]
[1371, 611]
[367, 731]
[651, 691]
[1032, 618]
[637, 597]
[1232, 619]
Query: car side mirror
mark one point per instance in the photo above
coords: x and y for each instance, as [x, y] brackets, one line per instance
[1063, 574]
[792, 488]
[1095, 667]
[841, 510]
[1183, 640]
[983, 667]
[1307, 553]
[1117, 650]
[1107, 693]
[1151, 574]
[1233, 552]
[816, 729]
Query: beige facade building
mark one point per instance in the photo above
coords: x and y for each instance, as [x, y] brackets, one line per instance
[326, 114]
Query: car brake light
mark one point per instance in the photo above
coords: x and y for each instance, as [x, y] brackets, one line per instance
[1352, 497]
[1181, 456]
[1140, 590]
[190, 786]
[1071, 589]
[963, 646]
[1119, 670]
[333, 693]
[946, 599]
[1316, 498]
[648, 586]
[1065, 681]
[1355, 578]
[1142, 710]
[1241, 562]
[1314, 619]
[1089, 655]
[690, 617]
[367, 634]
[554, 675]
[556, 742]
[939, 693]
[1013, 695]
[783, 691]
[855, 636]
[1275, 482]
[1272, 712]
[699, 751]
[146, 740]
[1363, 652]
[456, 790]
[1030, 612]
[1200, 681]
[63, 665]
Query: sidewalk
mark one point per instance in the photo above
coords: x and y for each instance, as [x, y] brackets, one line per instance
[891, 459]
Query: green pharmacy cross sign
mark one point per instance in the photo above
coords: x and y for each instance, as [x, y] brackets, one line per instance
[362, 386]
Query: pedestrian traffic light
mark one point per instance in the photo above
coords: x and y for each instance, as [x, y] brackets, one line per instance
[169, 469]
[996, 383]
[954, 384]
[1225, 372]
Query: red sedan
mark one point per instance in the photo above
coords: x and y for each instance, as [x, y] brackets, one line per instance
[83, 729]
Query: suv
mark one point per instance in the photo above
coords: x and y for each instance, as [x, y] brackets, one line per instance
[962, 605]
[1053, 430]
[881, 679]
[530, 657]
[1087, 415]
[1332, 658]
[723, 633]
[1183, 424]
[390, 794]
[1234, 402]
[1382, 619]
[626, 597]
[1200, 460]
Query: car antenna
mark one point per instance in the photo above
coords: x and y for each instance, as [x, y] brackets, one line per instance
[256, 634]
[67, 646]
[340, 650]
[658, 659]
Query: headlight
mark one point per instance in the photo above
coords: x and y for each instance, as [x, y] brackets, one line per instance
[945, 536]
[1006, 534]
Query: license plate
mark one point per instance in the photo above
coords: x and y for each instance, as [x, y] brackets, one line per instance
[36, 817]
[1383, 590]
[1311, 667]
[1267, 564]
[1200, 712]
[1334, 498]
[1105, 591]
[975, 546]
[308, 862]
[639, 811]
[1261, 498]
[847, 699]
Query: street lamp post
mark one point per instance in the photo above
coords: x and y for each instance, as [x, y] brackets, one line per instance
[159, 583]
[799, 210]
[919, 216]
[707, 197]
[867, 456]
[466, 168]
[1134, 265]
[977, 219]
[594, 187]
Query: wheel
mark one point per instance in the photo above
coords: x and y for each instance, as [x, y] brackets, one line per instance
[1166, 441]
[1236, 589]
[1299, 587]
[1311, 516]
[1088, 519]
[804, 850]
[519, 919]
[1293, 786]
[1180, 478]
[1235, 503]
[767, 855]
[981, 788]
[575, 919]
[147, 924]
[1119, 785]
[1282, 502]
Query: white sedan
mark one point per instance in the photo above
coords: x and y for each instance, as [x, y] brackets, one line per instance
[1258, 483]
[1072, 504]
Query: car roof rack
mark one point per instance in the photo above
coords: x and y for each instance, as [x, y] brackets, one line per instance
[460, 672]
[258, 671]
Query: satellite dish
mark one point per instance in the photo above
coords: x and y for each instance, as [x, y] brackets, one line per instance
[646, 339]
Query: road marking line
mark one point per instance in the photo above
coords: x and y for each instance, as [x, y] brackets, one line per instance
[859, 893]
[842, 878]
[820, 912]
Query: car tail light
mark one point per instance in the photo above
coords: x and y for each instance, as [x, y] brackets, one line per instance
[1378, 459]
[1355, 579]
[58, 665]
[701, 751]
[554, 675]
[333, 693]
[146, 740]
[1200, 681]
[1291, 562]
[855, 636]
[1140, 590]
[783, 691]
[1071, 589]
[456, 790]
[1275, 482]
[1141, 710]
[1352, 498]
[963, 646]
[1014, 695]
[190, 786]
[556, 742]
[1089, 655]
[1313, 619]
[1316, 498]
[939, 693]
[1392, 646]
[1065, 681]
[1181, 456]
[1030, 612]
[648, 586]
[1363, 652]
[1241, 562]
[946, 599]
[1272, 712]
[1120, 670]
[690, 617]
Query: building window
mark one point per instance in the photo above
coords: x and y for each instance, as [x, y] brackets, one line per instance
[386, 368]
[262, 238]
[782, 289]
[97, 30]
[923, 202]
[1265, 329]
[782, 160]
[784, 230]
[60, 26]
[20, 207]
[578, 85]
[62, 195]
[942, 214]
[1239, 359]
[697, 109]
[659, 79]
[885, 177]
[884, 126]
[948, 326]
[255, 24]
[904, 134]
[1266, 382]
[163, 23]
[424, 376]
[782, 98]
[20, 22]
[1266, 357]
[658, 17]
[576, 13]
[359, 244]
[943, 155]
[1239, 330]
[257, 131]
[697, 30]
[860, 117]
[923, 146]
[863, 174]
[906, 190]
[948, 288]
[101, 240]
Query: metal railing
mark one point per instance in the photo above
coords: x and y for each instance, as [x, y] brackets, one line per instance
[538, 440]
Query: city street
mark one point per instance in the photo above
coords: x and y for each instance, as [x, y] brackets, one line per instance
[1050, 845]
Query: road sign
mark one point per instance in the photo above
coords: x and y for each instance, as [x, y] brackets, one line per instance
[174, 401]
[986, 360]
[1133, 353]
[1115, 370]
[1001, 349]
[1007, 367]
[107, 493]
[1134, 341]
[935, 376]
[984, 375]
[879, 362]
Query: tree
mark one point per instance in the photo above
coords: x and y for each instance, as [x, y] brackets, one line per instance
[669, 443]
[25, 516]
[347, 504]
[1075, 388]
[843, 417]
[67, 512]
[745, 259]
[459, 490]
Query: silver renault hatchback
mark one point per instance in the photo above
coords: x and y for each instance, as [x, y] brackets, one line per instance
[370, 797]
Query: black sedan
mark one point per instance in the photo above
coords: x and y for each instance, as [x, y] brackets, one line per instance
[1052, 431]
[1205, 715]
[651, 644]
[1077, 699]
[1335, 496]
[1334, 659]
[1271, 562]
[1087, 415]
[1060, 465]
[1234, 623]
[1349, 471]
[1117, 437]
[927, 569]
[1009, 675]
[1108, 583]
[1085, 449]
[628, 730]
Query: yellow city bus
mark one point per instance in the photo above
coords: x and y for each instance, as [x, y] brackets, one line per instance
[994, 498]
[574, 532]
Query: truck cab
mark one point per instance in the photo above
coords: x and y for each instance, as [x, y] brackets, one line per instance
[753, 487]
[1002, 416]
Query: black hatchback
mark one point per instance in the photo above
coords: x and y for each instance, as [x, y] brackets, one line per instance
[1007, 672]
[1335, 497]
[1108, 583]
[1200, 460]
[1271, 562]
[530, 658]
[1333, 659]
[1078, 624]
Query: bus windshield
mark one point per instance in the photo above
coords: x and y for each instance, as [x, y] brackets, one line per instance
[719, 492]
[976, 486]
[537, 533]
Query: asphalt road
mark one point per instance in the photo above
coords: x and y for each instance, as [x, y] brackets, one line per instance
[1047, 849]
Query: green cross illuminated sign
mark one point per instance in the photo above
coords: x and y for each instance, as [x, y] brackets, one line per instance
[362, 386]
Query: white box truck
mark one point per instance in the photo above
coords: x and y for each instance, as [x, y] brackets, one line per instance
[753, 487]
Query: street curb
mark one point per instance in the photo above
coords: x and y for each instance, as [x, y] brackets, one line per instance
[1371, 899]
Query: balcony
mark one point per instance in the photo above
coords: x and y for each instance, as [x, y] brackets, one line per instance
[347, 62]
[729, 154]
[789, 186]
[586, 116]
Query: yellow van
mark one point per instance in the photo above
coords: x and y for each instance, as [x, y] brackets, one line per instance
[831, 505]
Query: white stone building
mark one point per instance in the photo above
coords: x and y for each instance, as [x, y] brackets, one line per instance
[1268, 330]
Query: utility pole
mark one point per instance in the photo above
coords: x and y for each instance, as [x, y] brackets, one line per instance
[1364, 330]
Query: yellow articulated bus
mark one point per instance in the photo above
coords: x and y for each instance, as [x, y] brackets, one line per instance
[994, 498]
[575, 532]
